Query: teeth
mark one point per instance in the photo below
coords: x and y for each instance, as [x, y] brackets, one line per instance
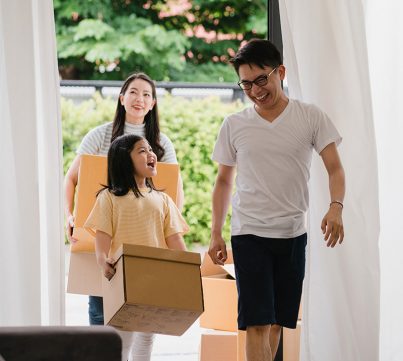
[261, 97]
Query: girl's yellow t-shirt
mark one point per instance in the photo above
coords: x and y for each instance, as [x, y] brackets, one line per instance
[146, 220]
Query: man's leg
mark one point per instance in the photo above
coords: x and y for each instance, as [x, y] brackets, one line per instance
[262, 342]
[258, 343]
[275, 333]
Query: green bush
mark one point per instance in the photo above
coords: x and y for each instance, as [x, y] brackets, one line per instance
[78, 120]
[192, 125]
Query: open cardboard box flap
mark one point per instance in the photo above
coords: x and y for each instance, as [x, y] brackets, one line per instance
[157, 253]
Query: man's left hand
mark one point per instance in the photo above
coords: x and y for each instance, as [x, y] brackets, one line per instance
[332, 225]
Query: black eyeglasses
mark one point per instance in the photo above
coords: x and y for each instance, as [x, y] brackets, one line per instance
[261, 80]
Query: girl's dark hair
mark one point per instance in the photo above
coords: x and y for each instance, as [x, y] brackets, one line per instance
[151, 120]
[121, 169]
[258, 52]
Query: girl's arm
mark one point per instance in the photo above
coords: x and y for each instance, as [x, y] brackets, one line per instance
[176, 242]
[102, 247]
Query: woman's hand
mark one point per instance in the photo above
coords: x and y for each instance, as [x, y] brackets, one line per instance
[69, 228]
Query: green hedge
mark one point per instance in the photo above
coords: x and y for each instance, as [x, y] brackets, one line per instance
[192, 125]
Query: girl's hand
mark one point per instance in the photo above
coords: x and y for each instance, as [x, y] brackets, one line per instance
[107, 268]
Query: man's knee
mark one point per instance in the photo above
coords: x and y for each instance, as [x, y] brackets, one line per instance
[258, 330]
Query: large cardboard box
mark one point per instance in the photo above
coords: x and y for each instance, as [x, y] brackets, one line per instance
[92, 174]
[220, 295]
[84, 274]
[153, 290]
[291, 343]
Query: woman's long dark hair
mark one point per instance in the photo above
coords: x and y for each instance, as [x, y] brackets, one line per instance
[121, 169]
[151, 120]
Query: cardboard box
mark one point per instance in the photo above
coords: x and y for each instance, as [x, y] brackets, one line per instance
[291, 343]
[222, 346]
[220, 296]
[92, 174]
[241, 346]
[300, 311]
[85, 276]
[153, 290]
[218, 347]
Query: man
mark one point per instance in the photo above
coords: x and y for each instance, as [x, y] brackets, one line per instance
[269, 147]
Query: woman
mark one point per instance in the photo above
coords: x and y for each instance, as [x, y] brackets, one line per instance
[136, 113]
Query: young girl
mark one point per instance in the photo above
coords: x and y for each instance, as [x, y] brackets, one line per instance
[130, 210]
[136, 113]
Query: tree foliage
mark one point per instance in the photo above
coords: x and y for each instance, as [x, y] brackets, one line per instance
[168, 39]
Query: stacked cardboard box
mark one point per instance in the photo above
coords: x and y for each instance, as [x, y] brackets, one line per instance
[220, 302]
[291, 343]
[222, 346]
[220, 314]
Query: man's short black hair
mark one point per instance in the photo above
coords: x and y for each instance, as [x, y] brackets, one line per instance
[258, 52]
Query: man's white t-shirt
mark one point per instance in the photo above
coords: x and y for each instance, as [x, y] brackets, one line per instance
[272, 162]
[98, 140]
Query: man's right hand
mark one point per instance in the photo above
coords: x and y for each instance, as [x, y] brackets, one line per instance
[218, 249]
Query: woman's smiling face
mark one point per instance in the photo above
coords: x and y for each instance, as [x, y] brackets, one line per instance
[138, 100]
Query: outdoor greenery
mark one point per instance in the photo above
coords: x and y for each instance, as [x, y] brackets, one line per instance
[176, 40]
[192, 125]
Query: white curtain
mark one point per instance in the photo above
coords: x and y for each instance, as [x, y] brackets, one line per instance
[325, 51]
[31, 223]
[384, 26]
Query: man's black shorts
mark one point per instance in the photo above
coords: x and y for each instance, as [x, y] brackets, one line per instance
[269, 277]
